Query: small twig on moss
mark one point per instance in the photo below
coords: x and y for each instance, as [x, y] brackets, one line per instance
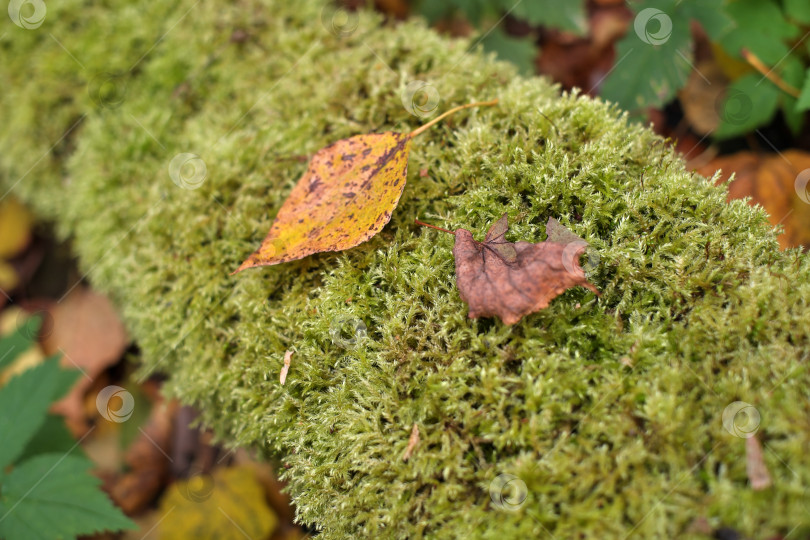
[425, 127]
[413, 440]
[433, 227]
[286, 368]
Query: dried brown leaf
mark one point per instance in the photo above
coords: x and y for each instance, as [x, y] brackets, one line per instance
[494, 284]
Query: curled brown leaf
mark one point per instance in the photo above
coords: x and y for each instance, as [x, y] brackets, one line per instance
[511, 280]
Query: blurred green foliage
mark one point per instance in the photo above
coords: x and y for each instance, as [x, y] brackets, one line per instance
[46, 490]
[655, 57]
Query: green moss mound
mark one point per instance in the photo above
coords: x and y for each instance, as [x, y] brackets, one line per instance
[609, 411]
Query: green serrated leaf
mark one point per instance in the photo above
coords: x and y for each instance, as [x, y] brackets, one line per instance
[433, 11]
[711, 15]
[792, 72]
[65, 379]
[53, 496]
[24, 402]
[474, 10]
[798, 10]
[568, 15]
[793, 118]
[761, 28]
[652, 60]
[519, 51]
[763, 14]
[53, 436]
[803, 103]
[750, 102]
[19, 341]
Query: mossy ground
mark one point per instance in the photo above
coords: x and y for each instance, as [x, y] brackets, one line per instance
[609, 410]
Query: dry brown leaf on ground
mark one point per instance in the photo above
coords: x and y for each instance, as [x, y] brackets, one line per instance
[89, 336]
[493, 286]
[584, 61]
[702, 95]
[511, 280]
[778, 182]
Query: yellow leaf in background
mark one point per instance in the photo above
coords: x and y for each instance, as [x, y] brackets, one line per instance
[15, 227]
[8, 276]
[10, 319]
[230, 504]
[30, 358]
[733, 68]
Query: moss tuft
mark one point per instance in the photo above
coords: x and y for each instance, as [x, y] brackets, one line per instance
[608, 410]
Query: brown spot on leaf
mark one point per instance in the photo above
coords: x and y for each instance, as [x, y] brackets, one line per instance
[314, 184]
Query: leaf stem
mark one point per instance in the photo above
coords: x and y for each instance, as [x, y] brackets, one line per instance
[444, 115]
[433, 227]
[767, 72]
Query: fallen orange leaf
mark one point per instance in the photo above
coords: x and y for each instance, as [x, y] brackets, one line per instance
[345, 197]
[773, 181]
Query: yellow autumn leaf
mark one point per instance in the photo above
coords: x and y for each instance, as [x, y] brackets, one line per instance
[347, 195]
[8, 276]
[15, 227]
[229, 504]
[322, 214]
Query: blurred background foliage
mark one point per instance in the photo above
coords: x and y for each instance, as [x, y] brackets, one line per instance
[728, 81]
